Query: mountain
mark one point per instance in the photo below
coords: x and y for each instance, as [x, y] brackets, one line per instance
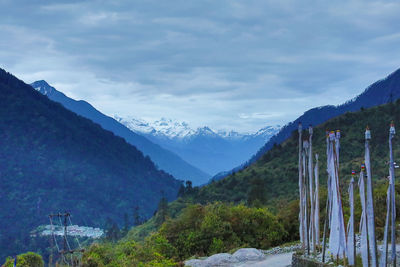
[380, 92]
[53, 160]
[273, 178]
[164, 159]
[210, 150]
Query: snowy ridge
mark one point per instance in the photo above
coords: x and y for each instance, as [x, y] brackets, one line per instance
[170, 129]
[208, 149]
[43, 87]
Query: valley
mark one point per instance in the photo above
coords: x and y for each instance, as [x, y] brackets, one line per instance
[199, 133]
[259, 191]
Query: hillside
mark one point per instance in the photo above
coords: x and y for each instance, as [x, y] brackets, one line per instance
[52, 160]
[163, 158]
[210, 150]
[274, 176]
[236, 211]
[380, 92]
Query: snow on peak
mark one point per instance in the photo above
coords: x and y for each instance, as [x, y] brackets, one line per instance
[162, 127]
[268, 130]
[43, 87]
[168, 128]
[136, 125]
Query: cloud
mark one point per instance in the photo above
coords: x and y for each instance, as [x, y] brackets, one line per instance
[226, 64]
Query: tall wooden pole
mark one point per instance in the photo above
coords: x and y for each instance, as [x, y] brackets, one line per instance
[312, 198]
[370, 203]
[301, 189]
[392, 132]
[316, 196]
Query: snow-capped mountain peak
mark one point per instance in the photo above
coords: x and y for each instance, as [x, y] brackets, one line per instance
[162, 127]
[168, 128]
[43, 87]
[209, 149]
[268, 131]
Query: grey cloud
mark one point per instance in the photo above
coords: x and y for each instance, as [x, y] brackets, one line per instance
[233, 64]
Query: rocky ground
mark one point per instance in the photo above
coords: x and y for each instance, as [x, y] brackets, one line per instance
[277, 257]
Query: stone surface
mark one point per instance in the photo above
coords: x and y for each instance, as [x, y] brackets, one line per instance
[300, 261]
[248, 254]
[222, 259]
[246, 257]
[195, 263]
[273, 260]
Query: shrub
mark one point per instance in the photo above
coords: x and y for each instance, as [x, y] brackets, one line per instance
[28, 259]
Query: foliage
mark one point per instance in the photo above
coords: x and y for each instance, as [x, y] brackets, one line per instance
[153, 252]
[52, 160]
[276, 171]
[204, 230]
[197, 230]
[28, 259]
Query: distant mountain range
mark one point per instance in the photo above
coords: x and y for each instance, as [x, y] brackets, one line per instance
[163, 158]
[381, 92]
[210, 150]
[53, 160]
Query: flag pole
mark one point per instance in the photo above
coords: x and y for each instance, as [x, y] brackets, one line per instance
[316, 196]
[301, 212]
[370, 202]
[392, 132]
[311, 181]
[351, 244]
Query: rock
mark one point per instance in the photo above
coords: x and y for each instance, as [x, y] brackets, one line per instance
[221, 259]
[248, 254]
[195, 263]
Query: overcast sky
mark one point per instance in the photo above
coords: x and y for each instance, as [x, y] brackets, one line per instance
[226, 64]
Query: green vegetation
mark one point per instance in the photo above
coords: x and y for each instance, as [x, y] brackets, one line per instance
[198, 231]
[28, 259]
[152, 252]
[276, 172]
[197, 225]
[255, 207]
[218, 227]
[53, 160]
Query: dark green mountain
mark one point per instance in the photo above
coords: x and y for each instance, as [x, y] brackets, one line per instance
[378, 93]
[274, 176]
[52, 160]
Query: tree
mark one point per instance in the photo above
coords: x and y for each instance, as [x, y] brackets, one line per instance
[256, 195]
[112, 230]
[162, 210]
[189, 187]
[136, 216]
[181, 191]
[126, 224]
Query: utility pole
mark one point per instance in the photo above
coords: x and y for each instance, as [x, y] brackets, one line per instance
[64, 217]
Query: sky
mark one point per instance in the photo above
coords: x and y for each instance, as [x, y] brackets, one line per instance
[230, 64]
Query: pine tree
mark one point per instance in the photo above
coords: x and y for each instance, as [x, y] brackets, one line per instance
[181, 191]
[162, 209]
[136, 216]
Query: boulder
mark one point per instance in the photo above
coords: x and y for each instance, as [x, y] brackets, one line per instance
[248, 254]
[221, 259]
[195, 263]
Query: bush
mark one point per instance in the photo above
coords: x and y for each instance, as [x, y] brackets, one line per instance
[204, 230]
[155, 251]
[28, 259]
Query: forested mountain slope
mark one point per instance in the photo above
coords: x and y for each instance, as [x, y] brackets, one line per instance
[52, 160]
[163, 158]
[275, 175]
[380, 92]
